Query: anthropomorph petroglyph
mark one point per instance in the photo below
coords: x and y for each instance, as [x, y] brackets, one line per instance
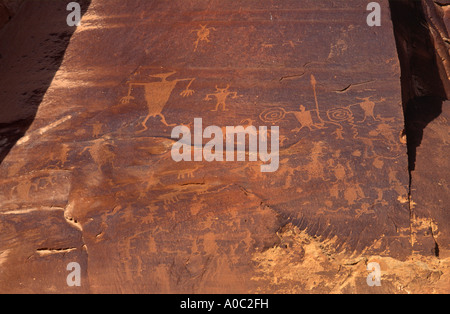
[316, 119]
[96, 129]
[221, 95]
[272, 115]
[202, 35]
[304, 117]
[187, 173]
[157, 95]
[101, 152]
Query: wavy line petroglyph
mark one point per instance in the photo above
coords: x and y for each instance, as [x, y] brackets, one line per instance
[157, 95]
[44, 130]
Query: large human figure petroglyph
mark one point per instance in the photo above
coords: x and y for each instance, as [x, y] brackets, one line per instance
[157, 95]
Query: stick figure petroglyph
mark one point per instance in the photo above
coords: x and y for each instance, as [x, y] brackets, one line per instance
[305, 119]
[157, 95]
[221, 95]
[101, 152]
[202, 35]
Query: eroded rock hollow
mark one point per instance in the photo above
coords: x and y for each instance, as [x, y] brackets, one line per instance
[87, 173]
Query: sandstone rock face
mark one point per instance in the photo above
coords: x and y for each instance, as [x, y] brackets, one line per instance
[439, 26]
[8, 8]
[430, 187]
[87, 173]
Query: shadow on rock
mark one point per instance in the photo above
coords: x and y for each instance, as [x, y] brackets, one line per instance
[32, 47]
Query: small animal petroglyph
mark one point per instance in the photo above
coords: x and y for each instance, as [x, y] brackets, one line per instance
[368, 107]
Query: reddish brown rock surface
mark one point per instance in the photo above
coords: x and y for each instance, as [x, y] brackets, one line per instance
[91, 179]
[8, 9]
